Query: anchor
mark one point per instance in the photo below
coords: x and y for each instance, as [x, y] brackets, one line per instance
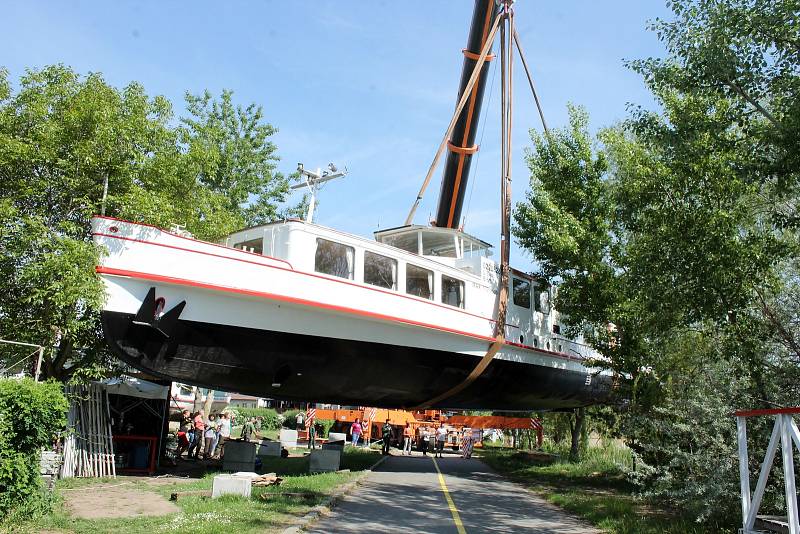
[148, 316]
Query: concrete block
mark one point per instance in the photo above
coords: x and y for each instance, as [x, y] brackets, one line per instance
[324, 460]
[333, 446]
[239, 456]
[230, 485]
[288, 438]
[269, 448]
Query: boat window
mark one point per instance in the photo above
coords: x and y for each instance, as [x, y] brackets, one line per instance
[452, 291]
[334, 258]
[541, 299]
[379, 270]
[522, 292]
[439, 244]
[254, 245]
[419, 281]
[405, 241]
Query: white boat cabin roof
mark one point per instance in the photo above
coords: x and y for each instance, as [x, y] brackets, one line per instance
[433, 241]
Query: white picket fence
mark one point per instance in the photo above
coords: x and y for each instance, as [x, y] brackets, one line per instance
[88, 446]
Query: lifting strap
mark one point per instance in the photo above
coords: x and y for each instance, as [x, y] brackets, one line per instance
[502, 300]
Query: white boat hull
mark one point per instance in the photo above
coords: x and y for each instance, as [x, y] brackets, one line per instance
[274, 331]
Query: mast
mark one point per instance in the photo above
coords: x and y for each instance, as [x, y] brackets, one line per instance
[461, 144]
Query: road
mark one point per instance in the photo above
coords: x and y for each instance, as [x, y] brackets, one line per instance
[406, 494]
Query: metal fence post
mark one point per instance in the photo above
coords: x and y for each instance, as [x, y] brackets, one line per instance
[788, 473]
[744, 468]
[766, 466]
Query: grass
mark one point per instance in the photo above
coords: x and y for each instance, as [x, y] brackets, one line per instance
[201, 515]
[593, 488]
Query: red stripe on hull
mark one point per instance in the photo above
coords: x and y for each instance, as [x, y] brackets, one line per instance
[272, 296]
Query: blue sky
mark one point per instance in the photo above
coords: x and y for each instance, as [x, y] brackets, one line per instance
[370, 85]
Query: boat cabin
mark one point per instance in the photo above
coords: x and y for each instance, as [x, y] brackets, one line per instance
[443, 265]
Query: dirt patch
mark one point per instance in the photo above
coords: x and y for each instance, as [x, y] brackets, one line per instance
[119, 501]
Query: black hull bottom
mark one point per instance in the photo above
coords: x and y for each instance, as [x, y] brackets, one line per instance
[336, 371]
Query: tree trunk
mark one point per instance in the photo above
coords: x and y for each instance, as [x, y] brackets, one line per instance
[198, 400]
[577, 430]
[209, 401]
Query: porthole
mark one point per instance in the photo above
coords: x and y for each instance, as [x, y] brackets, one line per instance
[535, 341]
[548, 345]
[521, 340]
[560, 349]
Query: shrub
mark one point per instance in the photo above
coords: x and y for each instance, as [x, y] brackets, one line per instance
[31, 416]
[323, 426]
[270, 419]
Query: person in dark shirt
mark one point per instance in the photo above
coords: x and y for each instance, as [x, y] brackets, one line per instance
[387, 437]
[249, 430]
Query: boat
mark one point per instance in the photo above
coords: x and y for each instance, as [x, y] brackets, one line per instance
[417, 316]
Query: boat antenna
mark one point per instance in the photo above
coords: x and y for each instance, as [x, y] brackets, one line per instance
[313, 181]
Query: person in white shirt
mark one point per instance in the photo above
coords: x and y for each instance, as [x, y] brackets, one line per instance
[441, 437]
[224, 433]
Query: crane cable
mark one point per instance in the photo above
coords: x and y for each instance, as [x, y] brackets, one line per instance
[530, 81]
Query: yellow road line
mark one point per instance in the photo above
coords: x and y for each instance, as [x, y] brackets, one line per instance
[450, 503]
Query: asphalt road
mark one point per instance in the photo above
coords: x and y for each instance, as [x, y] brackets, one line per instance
[406, 494]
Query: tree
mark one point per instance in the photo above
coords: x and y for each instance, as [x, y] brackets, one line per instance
[63, 137]
[693, 260]
[228, 149]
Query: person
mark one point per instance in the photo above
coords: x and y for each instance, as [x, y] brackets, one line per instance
[466, 443]
[441, 437]
[475, 437]
[210, 436]
[257, 423]
[355, 431]
[224, 434]
[423, 443]
[199, 429]
[185, 433]
[249, 430]
[386, 433]
[407, 434]
[312, 436]
[365, 433]
[299, 421]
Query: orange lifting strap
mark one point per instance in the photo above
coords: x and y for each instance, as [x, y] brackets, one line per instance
[462, 150]
[474, 56]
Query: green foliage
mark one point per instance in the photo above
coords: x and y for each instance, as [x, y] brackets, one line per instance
[62, 138]
[595, 489]
[31, 416]
[324, 426]
[270, 419]
[674, 239]
[230, 152]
